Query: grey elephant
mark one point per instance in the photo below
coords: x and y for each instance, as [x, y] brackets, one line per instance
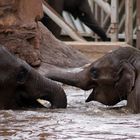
[21, 85]
[113, 78]
[79, 9]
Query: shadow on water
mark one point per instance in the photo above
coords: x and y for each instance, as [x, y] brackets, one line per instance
[80, 121]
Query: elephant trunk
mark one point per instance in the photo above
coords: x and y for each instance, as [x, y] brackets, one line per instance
[94, 26]
[40, 87]
[75, 77]
[86, 16]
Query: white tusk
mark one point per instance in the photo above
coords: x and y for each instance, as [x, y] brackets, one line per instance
[44, 103]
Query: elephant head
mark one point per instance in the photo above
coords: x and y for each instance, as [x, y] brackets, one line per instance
[113, 78]
[21, 85]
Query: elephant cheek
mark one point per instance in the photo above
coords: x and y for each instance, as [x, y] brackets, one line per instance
[106, 98]
[100, 96]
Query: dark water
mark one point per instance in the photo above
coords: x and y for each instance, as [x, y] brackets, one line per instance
[80, 121]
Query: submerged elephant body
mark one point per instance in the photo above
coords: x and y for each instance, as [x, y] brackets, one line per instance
[78, 9]
[21, 85]
[114, 77]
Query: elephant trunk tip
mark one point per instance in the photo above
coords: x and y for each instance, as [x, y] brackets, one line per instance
[59, 100]
[58, 106]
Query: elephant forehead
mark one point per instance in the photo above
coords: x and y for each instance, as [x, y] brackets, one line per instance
[105, 68]
[9, 64]
[6, 57]
[104, 62]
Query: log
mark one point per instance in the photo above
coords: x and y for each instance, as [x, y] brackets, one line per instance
[95, 50]
[58, 53]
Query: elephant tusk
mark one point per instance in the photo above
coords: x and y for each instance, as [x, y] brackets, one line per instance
[44, 103]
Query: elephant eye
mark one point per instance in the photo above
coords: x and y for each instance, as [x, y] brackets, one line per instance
[22, 75]
[83, 14]
[94, 72]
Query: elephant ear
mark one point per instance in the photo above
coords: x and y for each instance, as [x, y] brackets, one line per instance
[22, 75]
[133, 101]
[126, 78]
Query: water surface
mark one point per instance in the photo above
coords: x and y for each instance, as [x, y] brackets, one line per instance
[80, 121]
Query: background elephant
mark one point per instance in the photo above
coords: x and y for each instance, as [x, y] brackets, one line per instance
[114, 77]
[21, 85]
[79, 9]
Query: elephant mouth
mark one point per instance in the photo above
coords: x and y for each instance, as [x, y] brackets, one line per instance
[91, 96]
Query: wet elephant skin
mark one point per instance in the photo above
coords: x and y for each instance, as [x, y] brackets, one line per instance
[21, 85]
[113, 78]
[79, 9]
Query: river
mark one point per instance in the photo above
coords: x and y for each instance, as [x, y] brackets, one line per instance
[80, 121]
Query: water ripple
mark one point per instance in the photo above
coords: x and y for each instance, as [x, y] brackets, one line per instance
[80, 121]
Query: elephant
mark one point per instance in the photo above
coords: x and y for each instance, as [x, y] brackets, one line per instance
[21, 85]
[113, 77]
[78, 9]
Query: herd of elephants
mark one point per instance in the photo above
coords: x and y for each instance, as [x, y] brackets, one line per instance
[112, 78]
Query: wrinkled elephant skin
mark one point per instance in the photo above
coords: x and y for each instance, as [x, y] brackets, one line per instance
[21, 85]
[79, 9]
[114, 77]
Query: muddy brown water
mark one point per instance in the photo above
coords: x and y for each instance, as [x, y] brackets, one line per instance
[80, 121]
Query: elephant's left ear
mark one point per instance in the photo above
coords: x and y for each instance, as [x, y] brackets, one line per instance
[22, 75]
[126, 77]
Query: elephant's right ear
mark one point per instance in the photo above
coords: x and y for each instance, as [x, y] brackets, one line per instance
[126, 77]
[22, 75]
